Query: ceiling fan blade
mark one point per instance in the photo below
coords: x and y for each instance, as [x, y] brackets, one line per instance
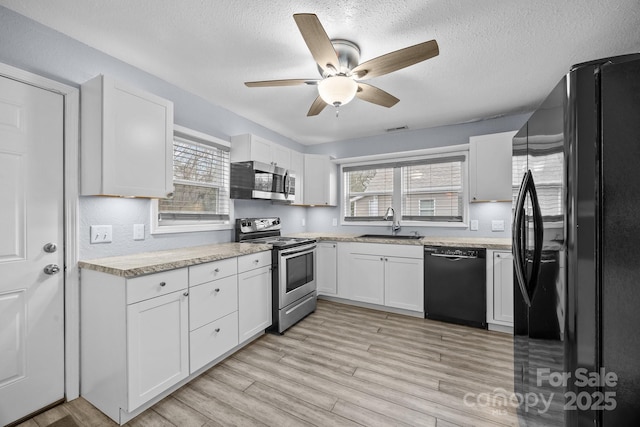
[317, 40]
[376, 96]
[288, 82]
[396, 60]
[317, 107]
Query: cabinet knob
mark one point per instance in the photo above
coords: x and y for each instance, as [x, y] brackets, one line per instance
[256, 261]
[217, 330]
[186, 294]
[170, 195]
[216, 290]
[162, 284]
[497, 255]
[381, 259]
[217, 270]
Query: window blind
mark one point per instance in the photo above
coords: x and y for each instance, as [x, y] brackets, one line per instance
[368, 192]
[201, 182]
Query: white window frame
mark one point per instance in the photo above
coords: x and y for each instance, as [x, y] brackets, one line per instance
[156, 228]
[416, 155]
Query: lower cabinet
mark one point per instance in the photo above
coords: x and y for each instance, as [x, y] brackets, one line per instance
[327, 268]
[382, 274]
[142, 336]
[254, 296]
[158, 345]
[500, 288]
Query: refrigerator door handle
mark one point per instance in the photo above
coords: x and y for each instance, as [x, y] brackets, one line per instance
[538, 236]
[518, 251]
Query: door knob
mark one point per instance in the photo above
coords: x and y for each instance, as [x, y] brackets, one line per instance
[50, 248]
[51, 269]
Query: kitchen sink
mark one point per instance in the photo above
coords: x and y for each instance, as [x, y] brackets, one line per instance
[389, 236]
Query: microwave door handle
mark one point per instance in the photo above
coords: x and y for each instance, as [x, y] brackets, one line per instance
[285, 183]
[518, 251]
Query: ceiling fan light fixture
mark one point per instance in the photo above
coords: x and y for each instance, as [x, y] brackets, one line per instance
[337, 90]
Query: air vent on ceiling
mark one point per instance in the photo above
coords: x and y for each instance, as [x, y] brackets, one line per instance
[398, 128]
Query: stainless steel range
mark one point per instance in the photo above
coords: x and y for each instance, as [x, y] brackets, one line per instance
[293, 269]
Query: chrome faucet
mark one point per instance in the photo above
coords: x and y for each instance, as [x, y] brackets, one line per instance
[395, 225]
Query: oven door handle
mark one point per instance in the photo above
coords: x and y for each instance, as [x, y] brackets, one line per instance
[297, 251]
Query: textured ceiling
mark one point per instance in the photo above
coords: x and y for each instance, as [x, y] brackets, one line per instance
[497, 57]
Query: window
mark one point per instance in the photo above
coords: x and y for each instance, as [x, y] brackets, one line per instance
[430, 189]
[201, 185]
[427, 207]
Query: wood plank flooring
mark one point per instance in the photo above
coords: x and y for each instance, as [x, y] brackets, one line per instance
[341, 366]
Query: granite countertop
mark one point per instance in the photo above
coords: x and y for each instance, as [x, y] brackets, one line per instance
[468, 242]
[154, 262]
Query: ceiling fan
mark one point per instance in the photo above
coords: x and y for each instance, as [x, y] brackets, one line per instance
[338, 63]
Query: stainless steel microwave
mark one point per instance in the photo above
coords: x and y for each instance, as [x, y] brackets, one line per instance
[257, 180]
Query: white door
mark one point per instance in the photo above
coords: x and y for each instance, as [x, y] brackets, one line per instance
[31, 216]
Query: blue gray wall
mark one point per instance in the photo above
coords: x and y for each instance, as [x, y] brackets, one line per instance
[33, 47]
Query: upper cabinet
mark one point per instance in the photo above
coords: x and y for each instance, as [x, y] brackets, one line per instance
[250, 147]
[490, 167]
[126, 141]
[320, 185]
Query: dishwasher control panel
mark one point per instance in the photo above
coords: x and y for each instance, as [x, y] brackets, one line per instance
[456, 252]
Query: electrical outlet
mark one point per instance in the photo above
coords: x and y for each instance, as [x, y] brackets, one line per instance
[474, 225]
[304, 222]
[497, 225]
[138, 231]
[334, 222]
[101, 233]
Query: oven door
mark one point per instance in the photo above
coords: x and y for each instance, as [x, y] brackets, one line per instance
[297, 273]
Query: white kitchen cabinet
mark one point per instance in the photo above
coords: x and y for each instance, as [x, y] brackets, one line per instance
[248, 147]
[297, 167]
[320, 184]
[134, 338]
[327, 268]
[499, 289]
[404, 283]
[490, 167]
[382, 274]
[126, 141]
[157, 346]
[254, 295]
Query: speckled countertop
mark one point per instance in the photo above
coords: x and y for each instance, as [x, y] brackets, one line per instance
[467, 242]
[153, 262]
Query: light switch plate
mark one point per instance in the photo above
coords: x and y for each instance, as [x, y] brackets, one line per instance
[334, 222]
[138, 231]
[101, 234]
[497, 225]
[304, 222]
[474, 225]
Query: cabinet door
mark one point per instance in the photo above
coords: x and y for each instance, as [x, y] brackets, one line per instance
[281, 156]
[503, 286]
[127, 141]
[366, 278]
[320, 187]
[260, 150]
[254, 302]
[158, 346]
[490, 167]
[404, 283]
[326, 271]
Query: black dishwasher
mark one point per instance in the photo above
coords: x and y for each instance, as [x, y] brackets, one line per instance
[455, 288]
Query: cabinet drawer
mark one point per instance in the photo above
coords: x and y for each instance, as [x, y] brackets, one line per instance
[212, 301]
[212, 271]
[153, 285]
[253, 261]
[213, 340]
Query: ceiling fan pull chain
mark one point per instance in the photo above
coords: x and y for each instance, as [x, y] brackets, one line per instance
[337, 112]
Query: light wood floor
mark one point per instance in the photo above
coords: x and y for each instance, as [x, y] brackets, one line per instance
[341, 366]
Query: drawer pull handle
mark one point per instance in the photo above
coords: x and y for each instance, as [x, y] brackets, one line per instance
[162, 284]
[216, 290]
[217, 330]
[217, 270]
[186, 294]
[256, 261]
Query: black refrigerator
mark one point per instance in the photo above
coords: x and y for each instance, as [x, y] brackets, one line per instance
[576, 235]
